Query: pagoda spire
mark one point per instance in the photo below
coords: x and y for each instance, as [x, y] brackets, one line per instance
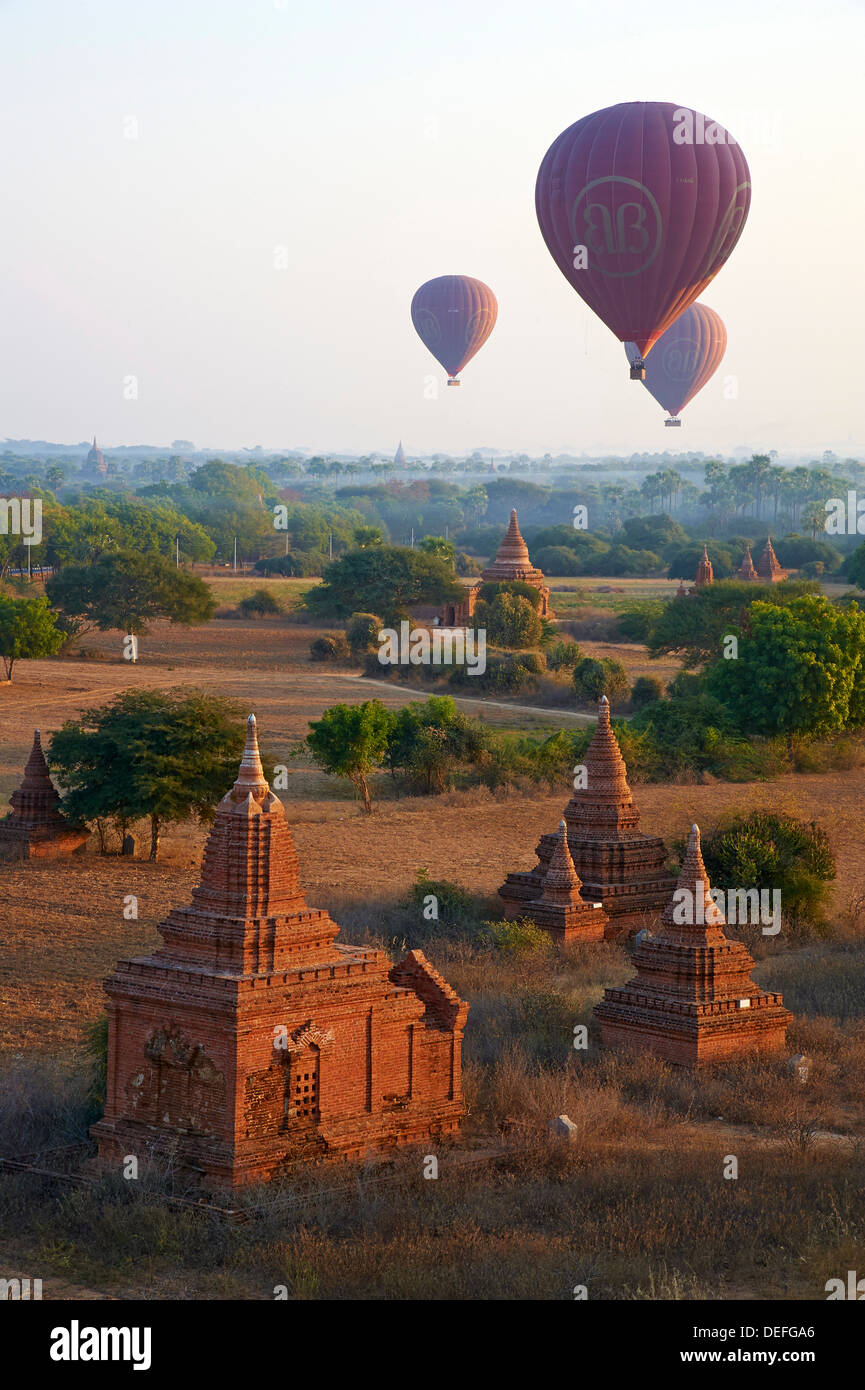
[692, 912]
[746, 570]
[562, 883]
[606, 800]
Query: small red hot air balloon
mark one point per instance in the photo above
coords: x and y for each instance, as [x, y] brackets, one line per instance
[640, 205]
[683, 359]
[454, 315]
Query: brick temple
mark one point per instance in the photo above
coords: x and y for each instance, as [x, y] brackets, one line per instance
[692, 1000]
[560, 907]
[252, 1040]
[36, 828]
[620, 867]
[512, 563]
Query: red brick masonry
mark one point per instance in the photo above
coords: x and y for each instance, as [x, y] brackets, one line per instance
[252, 1040]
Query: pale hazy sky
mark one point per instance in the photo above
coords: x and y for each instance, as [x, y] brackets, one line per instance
[372, 146]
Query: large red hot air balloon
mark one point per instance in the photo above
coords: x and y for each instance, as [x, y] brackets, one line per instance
[683, 359]
[640, 205]
[454, 315]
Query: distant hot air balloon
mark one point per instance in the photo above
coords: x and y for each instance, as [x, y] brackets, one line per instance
[640, 205]
[454, 315]
[683, 359]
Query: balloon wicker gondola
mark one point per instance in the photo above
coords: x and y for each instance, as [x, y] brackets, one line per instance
[673, 423]
[638, 370]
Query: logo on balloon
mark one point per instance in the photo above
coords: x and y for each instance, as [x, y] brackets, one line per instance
[729, 228]
[428, 326]
[478, 326]
[620, 222]
[679, 361]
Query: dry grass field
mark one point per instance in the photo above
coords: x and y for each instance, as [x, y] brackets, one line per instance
[637, 1208]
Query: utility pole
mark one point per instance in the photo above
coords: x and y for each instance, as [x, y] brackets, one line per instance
[235, 555]
[330, 545]
[177, 552]
[412, 538]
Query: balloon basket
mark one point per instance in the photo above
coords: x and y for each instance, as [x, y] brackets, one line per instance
[452, 381]
[673, 423]
[638, 370]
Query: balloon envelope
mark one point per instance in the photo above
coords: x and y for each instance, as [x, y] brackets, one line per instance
[684, 357]
[454, 315]
[657, 195]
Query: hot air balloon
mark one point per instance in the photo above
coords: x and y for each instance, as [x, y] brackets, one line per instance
[454, 315]
[640, 205]
[683, 359]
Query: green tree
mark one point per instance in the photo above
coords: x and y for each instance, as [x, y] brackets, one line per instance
[386, 579]
[510, 620]
[362, 633]
[28, 630]
[799, 669]
[593, 678]
[351, 741]
[125, 591]
[692, 626]
[429, 740]
[164, 755]
[767, 851]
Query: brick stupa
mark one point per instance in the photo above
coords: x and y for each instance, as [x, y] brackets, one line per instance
[620, 867]
[692, 1000]
[705, 573]
[512, 563]
[560, 909]
[36, 827]
[746, 570]
[252, 1040]
[768, 566]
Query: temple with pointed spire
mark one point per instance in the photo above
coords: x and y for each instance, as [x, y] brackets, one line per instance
[705, 573]
[561, 909]
[768, 565]
[36, 828]
[252, 1040]
[512, 563]
[692, 1000]
[95, 460]
[620, 866]
[746, 571]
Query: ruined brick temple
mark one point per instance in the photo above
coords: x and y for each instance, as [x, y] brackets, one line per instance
[620, 867]
[36, 828]
[512, 563]
[692, 999]
[251, 1040]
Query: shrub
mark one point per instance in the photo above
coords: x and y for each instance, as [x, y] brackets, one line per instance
[635, 623]
[593, 678]
[510, 621]
[764, 850]
[559, 560]
[362, 633]
[564, 656]
[261, 604]
[645, 690]
[531, 661]
[331, 647]
[466, 566]
[519, 937]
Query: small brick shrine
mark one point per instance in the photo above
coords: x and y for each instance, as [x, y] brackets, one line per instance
[560, 909]
[620, 867]
[252, 1040]
[512, 563]
[36, 827]
[692, 1000]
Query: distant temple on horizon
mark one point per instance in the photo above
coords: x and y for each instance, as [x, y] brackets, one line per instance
[399, 456]
[767, 571]
[95, 460]
[512, 563]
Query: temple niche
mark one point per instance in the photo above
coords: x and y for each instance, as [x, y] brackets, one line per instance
[252, 1040]
[36, 828]
[512, 563]
[692, 1000]
[620, 867]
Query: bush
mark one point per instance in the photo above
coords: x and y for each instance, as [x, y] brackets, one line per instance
[559, 561]
[564, 656]
[517, 588]
[261, 604]
[510, 621]
[531, 661]
[466, 566]
[620, 561]
[645, 690]
[762, 850]
[301, 564]
[635, 623]
[332, 647]
[593, 678]
[686, 685]
[362, 633]
[519, 937]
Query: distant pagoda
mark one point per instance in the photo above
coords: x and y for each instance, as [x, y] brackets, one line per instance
[692, 1000]
[512, 563]
[768, 566]
[560, 909]
[399, 456]
[36, 827]
[705, 573]
[95, 460]
[746, 570]
[252, 1040]
[620, 867]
